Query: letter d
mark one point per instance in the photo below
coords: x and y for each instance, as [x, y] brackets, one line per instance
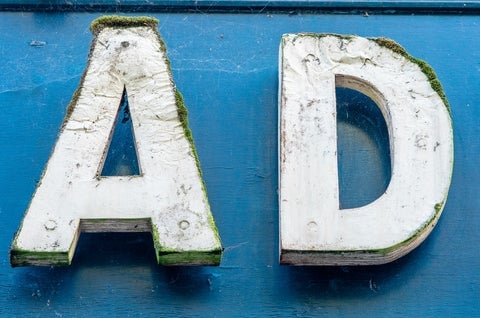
[313, 229]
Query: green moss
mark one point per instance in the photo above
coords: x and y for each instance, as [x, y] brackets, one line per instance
[156, 240]
[174, 258]
[73, 101]
[122, 22]
[214, 228]
[424, 67]
[20, 257]
[170, 256]
[438, 209]
[376, 254]
[183, 117]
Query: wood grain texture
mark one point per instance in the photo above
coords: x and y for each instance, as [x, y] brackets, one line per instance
[226, 67]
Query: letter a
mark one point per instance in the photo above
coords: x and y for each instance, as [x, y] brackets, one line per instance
[313, 228]
[167, 197]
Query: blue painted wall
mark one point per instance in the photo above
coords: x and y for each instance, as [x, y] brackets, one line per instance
[226, 67]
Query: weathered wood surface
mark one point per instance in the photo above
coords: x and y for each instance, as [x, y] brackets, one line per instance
[226, 67]
[168, 193]
[314, 230]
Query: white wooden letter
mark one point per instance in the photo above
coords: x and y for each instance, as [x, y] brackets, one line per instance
[313, 229]
[167, 197]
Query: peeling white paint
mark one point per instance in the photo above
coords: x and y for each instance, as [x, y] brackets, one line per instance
[313, 229]
[168, 193]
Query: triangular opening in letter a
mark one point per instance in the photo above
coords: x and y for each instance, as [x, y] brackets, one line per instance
[121, 156]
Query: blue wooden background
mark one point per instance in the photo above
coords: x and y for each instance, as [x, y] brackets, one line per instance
[226, 67]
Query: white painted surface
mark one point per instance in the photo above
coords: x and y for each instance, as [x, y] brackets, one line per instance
[313, 230]
[169, 191]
